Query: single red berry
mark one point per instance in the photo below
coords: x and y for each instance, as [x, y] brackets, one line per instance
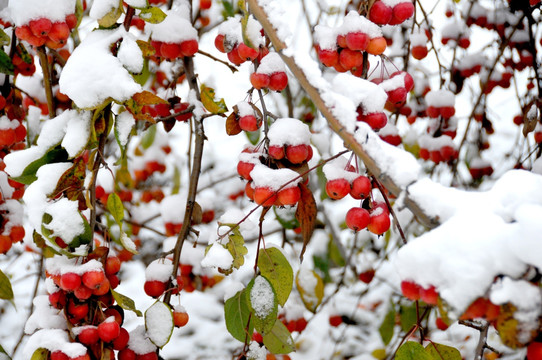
[380, 13]
[441, 325]
[127, 354]
[154, 288]
[264, 196]
[60, 32]
[247, 53]
[289, 196]
[296, 154]
[70, 281]
[93, 279]
[357, 41]
[410, 290]
[379, 221]
[219, 43]
[122, 340]
[357, 218]
[328, 57]
[429, 295]
[170, 51]
[180, 318]
[259, 81]
[249, 123]
[276, 152]
[337, 188]
[112, 265]
[361, 187]
[419, 52]
[367, 276]
[108, 330]
[234, 57]
[278, 81]
[401, 12]
[244, 169]
[89, 335]
[335, 320]
[350, 59]
[189, 47]
[205, 4]
[40, 27]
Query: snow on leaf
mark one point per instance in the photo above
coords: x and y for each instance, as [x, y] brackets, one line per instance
[125, 302]
[209, 102]
[111, 17]
[71, 182]
[311, 288]
[237, 315]
[442, 352]
[279, 340]
[276, 269]
[6, 292]
[159, 323]
[412, 351]
[263, 304]
[127, 243]
[28, 175]
[153, 15]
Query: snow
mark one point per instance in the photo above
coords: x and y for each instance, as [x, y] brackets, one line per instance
[53, 340]
[440, 98]
[66, 222]
[77, 132]
[124, 124]
[22, 11]
[59, 265]
[174, 29]
[255, 352]
[159, 270]
[130, 55]
[289, 131]
[137, 3]
[139, 341]
[217, 257]
[370, 96]
[92, 74]
[271, 64]
[262, 298]
[172, 208]
[244, 108]
[354, 22]
[273, 179]
[523, 294]
[44, 316]
[336, 169]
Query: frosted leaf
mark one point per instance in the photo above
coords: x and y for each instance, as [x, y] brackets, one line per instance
[130, 54]
[100, 8]
[66, 221]
[124, 123]
[256, 352]
[139, 342]
[77, 132]
[159, 323]
[262, 297]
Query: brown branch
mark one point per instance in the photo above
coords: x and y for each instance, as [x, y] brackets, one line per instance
[48, 85]
[230, 66]
[333, 122]
[194, 174]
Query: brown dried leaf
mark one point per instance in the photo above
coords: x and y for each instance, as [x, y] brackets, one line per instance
[148, 98]
[232, 125]
[71, 183]
[197, 214]
[306, 215]
[169, 124]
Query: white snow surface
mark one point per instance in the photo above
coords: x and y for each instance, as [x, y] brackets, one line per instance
[503, 236]
[159, 270]
[174, 29]
[139, 341]
[22, 11]
[440, 98]
[218, 257]
[270, 64]
[370, 96]
[159, 323]
[77, 131]
[289, 131]
[273, 179]
[53, 340]
[66, 222]
[130, 54]
[124, 123]
[92, 74]
[172, 208]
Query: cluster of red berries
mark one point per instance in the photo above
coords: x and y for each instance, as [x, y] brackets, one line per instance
[77, 289]
[479, 168]
[43, 31]
[173, 106]
[270, 74]
[25, 68]
[501, 79]
[437, 149]
[172, 51]
[289, 139]
[375, 217]
[384, 12]
[342, 48]
[149, 195]
[292, 325]
[149, 168]
[397, 87]
[455, 33]
[230, 41]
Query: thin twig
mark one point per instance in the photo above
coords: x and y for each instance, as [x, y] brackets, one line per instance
[230, 66]
[46, 70]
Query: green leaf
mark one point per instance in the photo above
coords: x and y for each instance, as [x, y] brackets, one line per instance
[115, 207]
[237, 314]
[153, 15]
[6, 66]
[159, 323]
[176, 181]
[142, 77]
[279, 340]
[83, 238]
[253, 136]
[275, 267]
[387, 326]
[334, 253]
[5, 40]
[148, 137]
[412, 351]
[322, 263]
[236, 247]
[2, 351]
[110, 19]
[6, 292]
[125, 302]
[229, 11]
[40, 354]
[52, 156]
[442, 352]
[208, 101]
[408, 317]
[262, 322]
[310, 287]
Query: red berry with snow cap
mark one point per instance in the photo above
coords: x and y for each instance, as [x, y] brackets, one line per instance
[357, 218]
